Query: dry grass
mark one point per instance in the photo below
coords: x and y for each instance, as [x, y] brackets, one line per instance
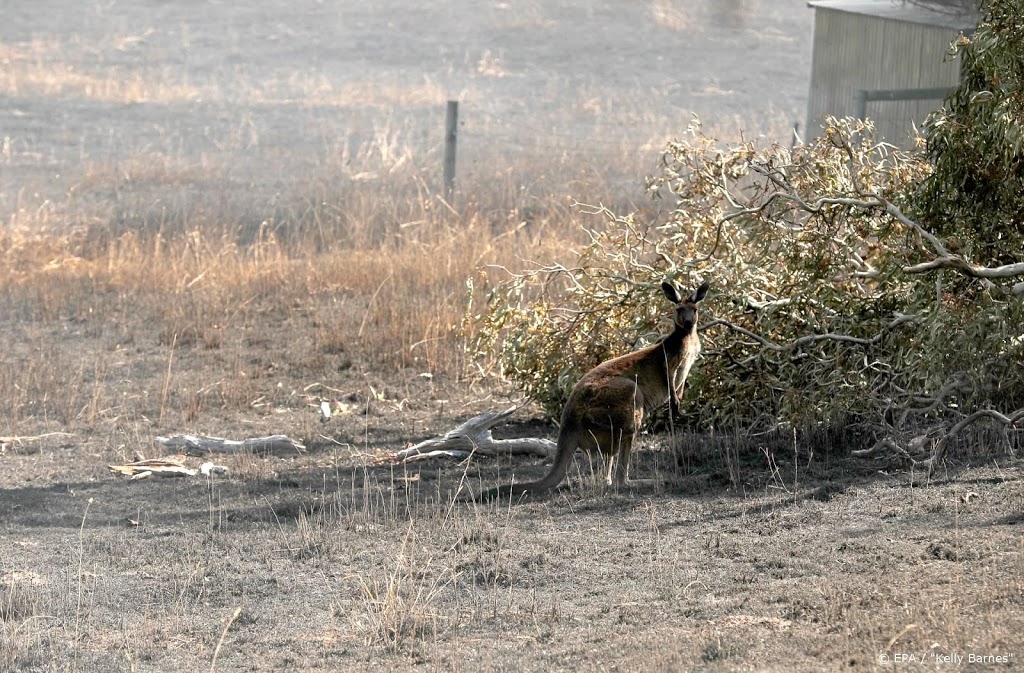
[363, 244]
[198, 275]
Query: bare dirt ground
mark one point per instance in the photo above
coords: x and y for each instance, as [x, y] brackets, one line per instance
[758, 554]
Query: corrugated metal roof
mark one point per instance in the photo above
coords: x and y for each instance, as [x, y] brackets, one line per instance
[897, 10]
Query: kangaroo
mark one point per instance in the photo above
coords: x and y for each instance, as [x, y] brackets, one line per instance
[607, 405]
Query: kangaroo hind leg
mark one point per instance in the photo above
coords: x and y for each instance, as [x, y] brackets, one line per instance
[625, 441]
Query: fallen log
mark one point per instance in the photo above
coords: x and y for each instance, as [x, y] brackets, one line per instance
[21, 440]
[474, 437]
[164, 467]
[195, 445]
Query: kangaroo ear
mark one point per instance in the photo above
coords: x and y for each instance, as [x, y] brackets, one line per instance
[699, 293]
[671, 292]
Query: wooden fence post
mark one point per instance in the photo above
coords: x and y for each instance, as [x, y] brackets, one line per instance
[451, 125]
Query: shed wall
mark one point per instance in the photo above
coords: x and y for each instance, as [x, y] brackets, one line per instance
[856, 51]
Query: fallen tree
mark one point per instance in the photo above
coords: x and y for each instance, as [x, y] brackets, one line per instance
[853, 283]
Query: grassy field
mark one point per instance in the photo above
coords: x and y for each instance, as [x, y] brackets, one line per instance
[216, 218]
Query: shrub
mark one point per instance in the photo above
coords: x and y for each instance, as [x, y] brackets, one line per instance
[830, 305]
[852, 282]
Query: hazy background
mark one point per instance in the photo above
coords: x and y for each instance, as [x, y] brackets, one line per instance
[267, 96]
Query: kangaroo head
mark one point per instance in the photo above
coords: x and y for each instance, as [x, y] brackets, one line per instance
[686, 309]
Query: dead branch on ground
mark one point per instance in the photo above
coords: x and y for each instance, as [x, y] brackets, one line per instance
[15, 439]
[195, 445]
[164, 467]
[474, 437]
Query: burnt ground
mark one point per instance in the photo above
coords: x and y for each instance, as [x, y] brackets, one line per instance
[755, 555]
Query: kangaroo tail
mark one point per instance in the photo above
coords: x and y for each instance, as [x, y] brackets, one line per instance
[507, 491]
[567, 443]
[514, 490]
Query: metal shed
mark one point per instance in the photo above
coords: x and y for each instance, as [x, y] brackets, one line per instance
[883, 58]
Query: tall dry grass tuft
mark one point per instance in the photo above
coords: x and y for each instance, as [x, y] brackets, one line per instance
[401, 600]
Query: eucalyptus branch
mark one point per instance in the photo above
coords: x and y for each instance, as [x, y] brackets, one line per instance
[770, 345]
[940, 448]
[930, 403]
[811, 338]
[943, 260]
[958, 263]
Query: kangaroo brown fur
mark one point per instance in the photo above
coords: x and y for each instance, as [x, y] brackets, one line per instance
[606, 407]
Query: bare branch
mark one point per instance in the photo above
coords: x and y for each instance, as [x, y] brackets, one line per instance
[958, 263]
[901, 319]
[474, 436]
[194, 445]
[745, 332]
[940, 448]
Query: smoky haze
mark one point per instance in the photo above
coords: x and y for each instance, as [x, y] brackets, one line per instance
[268, 92]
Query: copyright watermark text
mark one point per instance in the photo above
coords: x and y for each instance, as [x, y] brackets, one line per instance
[944, 658]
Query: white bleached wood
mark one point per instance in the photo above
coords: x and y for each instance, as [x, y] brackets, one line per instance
[474, 436]
[195, 445]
